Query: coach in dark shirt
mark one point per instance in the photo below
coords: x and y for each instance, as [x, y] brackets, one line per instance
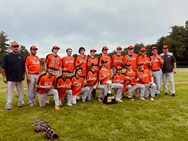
[169, 67]
[13, 75]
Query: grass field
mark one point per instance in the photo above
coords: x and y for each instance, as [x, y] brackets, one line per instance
[165, 119]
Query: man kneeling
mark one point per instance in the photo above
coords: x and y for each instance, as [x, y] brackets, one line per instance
[45, 88]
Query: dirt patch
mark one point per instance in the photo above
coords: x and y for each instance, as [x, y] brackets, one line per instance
[182, 70]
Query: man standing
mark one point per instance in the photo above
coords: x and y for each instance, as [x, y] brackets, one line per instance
[156, 65]
[53, 61]
[81, 61]
[13, 75]
[169, 67]
[32, 69]
[117, 59]
[105, 57]
[131, 57]
[92, 60]
[68, 62]
[45, 88]
[144, 58]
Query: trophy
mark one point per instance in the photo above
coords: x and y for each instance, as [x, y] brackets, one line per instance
[109, 98]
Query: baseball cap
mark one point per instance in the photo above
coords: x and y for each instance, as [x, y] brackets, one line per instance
[15, 44]
[119, 68]
[129, 64]
[130, 47]
[143, 49]
[56, 47]
[93, 50]
[105, 48]
[119, 48]
[33, 48]
[65, 70]
[165, 47]
[140, 63]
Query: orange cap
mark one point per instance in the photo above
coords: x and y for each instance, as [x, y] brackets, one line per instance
[129, 64]
[15, 44]
[119, 68]
[140, 63]
[105, 48]
[56, 47]
[93, 50]
[119, 48]
[33, 48]
[165, 47]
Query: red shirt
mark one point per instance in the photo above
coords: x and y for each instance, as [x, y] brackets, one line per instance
[44, 80]
[53, 61]
[33, 64]
[117, 60]
[132, 59]
[59, 82]
[105, 58]
[121, 79]
[144, 76]
[133, 76]
[77, 85]
[144, 60]
[68, 62]
[93, 77]
[155, 63]
[104, 72]
[83, 59]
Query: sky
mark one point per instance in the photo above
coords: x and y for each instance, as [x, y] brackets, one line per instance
[89, 23]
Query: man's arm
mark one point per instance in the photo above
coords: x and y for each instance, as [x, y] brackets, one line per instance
[4, 75]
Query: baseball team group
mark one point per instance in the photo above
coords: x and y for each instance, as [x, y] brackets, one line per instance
[71, 79]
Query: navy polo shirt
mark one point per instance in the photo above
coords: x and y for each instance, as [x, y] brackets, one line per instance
[14, 67]
[169, 60]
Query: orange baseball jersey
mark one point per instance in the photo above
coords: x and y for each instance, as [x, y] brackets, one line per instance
[104, 72]
[155, 63]
[77, 84]
[53, 61]
[117, 60]
[68, 62]
[93, 77]
[132, 59]
[44, 80]
[121, 79]
[91, 61]
[144, 60]
[33, 64]
[144, 76]
[82, 59]
[133, 76]
[60, 81]
[105, 58]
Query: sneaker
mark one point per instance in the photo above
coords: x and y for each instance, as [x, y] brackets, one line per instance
[60, 102]
[132, 99]
[47, 102]
[156, 94]
[69, 104]
[8, 109]
[173, 94]
[142, 98]
[20, 105]
[99, 99]
[152, 99]
[57, 108]
[118, 100]
[78, 97]
[31, 104]
[166, 93]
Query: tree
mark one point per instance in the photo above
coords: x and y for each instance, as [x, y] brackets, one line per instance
[3, 45]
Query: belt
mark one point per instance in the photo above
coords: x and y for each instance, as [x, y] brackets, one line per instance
[155, 70]
[33, 73]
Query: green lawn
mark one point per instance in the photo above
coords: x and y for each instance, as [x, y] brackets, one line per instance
[165, 119]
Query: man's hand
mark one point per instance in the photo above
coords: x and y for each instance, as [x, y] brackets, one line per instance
[28, 78]
[5, 80]
[174, 70]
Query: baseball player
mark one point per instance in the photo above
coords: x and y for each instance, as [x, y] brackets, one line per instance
[144, 58]
[133, 84]
[63, 85]
[156, 65]
[32, 69]
[131, 57]
[68, 62]
[45, 88]
[92, 60]
[146, 79]
[117, 59]
[105, 57]
[81, 61]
